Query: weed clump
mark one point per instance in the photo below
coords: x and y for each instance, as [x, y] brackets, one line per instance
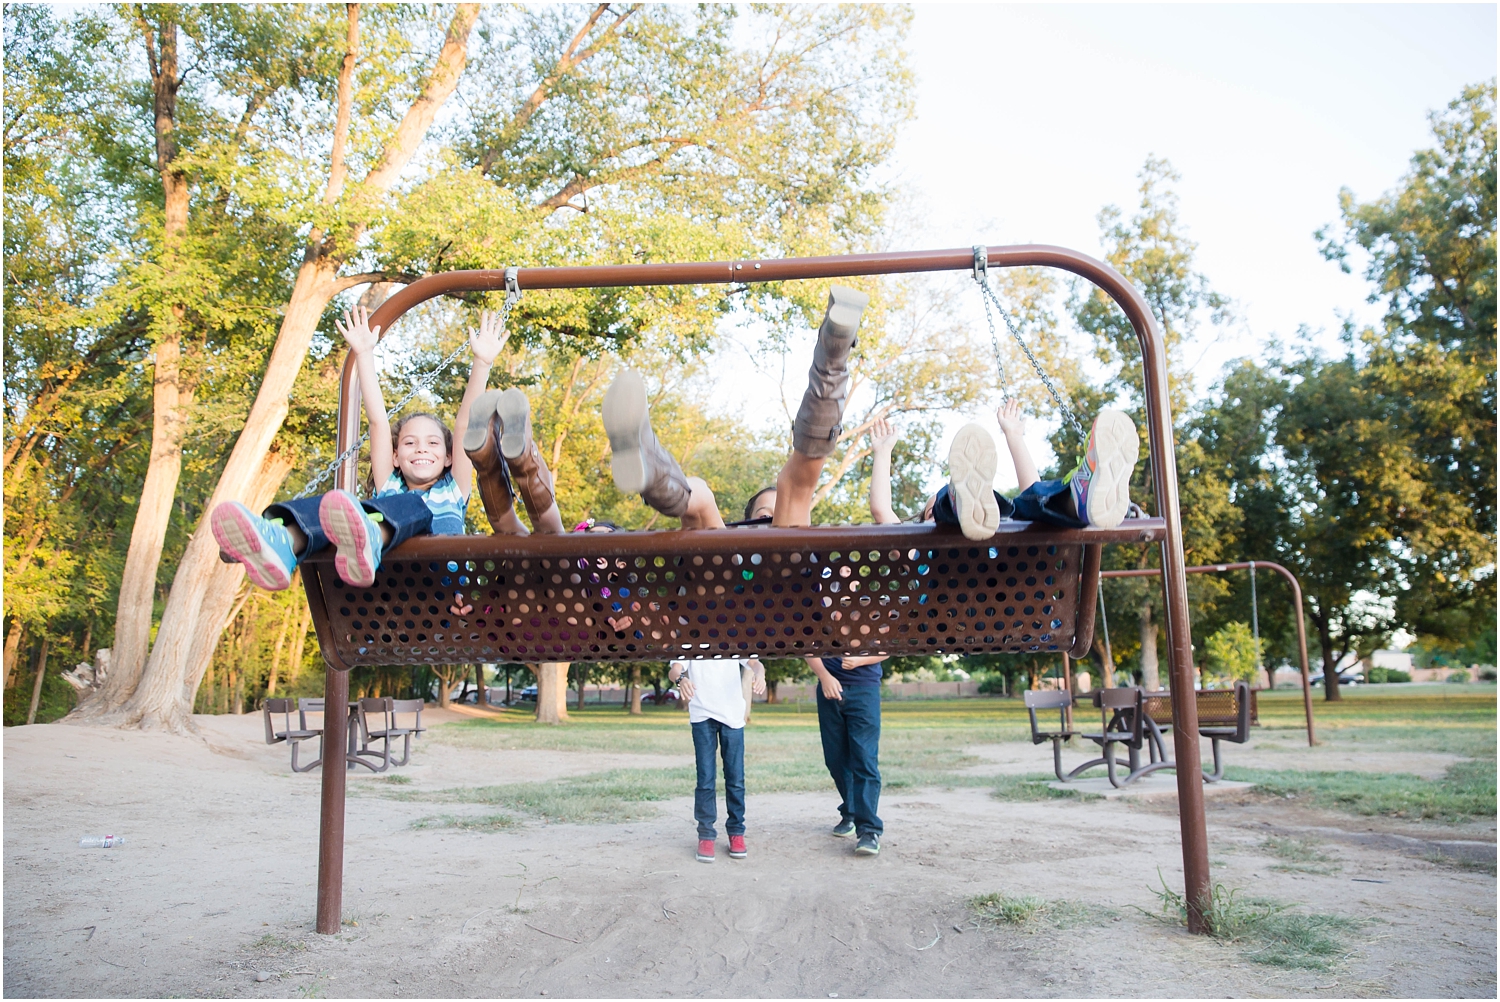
[1270, 932]
[1029, 911]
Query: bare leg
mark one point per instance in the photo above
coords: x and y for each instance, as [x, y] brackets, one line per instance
[703, 508]
[794, 489]
[296, 535]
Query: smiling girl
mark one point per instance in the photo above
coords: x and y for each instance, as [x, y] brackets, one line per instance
[422, 485]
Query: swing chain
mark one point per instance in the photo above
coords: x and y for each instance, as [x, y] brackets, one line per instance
[987, 294]
[512, 293]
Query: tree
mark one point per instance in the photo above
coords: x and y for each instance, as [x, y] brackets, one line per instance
[1153, 252]
[1233, 654]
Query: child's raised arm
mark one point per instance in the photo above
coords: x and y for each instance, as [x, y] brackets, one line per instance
[485, 344]
[882, 441]
[1009, 415]
[355, 329]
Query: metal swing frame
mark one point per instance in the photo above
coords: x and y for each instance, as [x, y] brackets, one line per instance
[1165, 530]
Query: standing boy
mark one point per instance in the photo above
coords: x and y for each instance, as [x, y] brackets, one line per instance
[717, 711]
[849, 722]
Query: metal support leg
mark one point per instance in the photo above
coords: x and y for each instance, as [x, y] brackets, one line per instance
[331, 825]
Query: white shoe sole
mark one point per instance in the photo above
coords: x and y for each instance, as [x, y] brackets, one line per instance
[236, 535]
[343, 519]
[624, 415]
[1114, 449]
[480, 413]
[514, 409]
[971, 470]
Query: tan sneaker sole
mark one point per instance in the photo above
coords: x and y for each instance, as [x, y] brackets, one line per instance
[971, 480]
[624, 415]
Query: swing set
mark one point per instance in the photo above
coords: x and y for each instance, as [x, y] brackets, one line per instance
[774, 592]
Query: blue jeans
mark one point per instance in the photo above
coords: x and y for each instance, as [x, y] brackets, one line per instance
[1048, 501]
[406, 514]
[945, 512]
[851, 749]
[707, 736]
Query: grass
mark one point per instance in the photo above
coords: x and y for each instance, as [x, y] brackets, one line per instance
[1029, 911]
[923, 744]
[271, 943]
[1299, 855]
[1269, 932]
[1465, 793]
[487, 823]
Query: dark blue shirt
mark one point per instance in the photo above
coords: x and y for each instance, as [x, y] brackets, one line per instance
[863, 675]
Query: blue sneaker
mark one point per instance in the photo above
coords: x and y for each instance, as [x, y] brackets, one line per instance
[264, 547]
[355, 536]
[1100, 484]
[869, 845]
[843, 829]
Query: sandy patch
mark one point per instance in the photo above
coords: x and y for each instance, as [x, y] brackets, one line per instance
[216, 882]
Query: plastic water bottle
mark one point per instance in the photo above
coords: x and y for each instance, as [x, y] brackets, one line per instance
[100, 841]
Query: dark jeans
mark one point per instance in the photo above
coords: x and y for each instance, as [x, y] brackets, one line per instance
[945, 512]
[851, 749]
[406, 514]
[709, 735]
[1048, 501]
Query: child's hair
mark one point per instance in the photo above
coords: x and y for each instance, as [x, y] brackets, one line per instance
[750, 505]
[447, 432]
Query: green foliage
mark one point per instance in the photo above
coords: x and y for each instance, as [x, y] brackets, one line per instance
[1234, 654]
[1376, 676]
[1029, 910]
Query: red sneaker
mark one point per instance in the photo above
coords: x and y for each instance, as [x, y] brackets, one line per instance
[705, 850]
[737, 847]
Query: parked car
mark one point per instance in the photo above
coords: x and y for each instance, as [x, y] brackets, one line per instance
[1351, 676]
[527, 695]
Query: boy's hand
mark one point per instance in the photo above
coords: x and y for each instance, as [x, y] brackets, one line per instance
[758, 685]
[832, 688]
[487, 341]
[685, 687]
[1009, 416]
[883, 435]
[356, 330]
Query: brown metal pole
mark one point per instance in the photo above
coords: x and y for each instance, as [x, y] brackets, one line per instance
[331, 822]
[1291, 578]
[335, 706]
[1068, 682]
[1158, 429]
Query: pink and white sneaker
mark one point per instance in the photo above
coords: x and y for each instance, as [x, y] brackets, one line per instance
[705, 850]
[737, 847]
[355, 536]
[262, 546]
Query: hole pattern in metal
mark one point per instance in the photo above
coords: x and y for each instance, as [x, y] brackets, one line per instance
[1014, 596]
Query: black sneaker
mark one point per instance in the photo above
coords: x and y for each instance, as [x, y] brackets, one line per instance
[869, 845]
[843, 829]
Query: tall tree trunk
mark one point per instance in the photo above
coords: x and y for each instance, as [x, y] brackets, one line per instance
[169, 402]
[12, 652]
[281, 637]
[36, 689]
[176, 663]
[583, 681]
[635, 691]
[299, 641]
[483, 698]
[1331, 659]
[551, 691]
[1102, 656]
[1150, 665]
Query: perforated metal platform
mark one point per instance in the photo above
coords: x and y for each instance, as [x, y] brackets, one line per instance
[900, 589]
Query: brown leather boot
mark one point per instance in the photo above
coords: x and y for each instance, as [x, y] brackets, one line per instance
[482, 444]
[529, 474]
[820, 418]
[639, 463]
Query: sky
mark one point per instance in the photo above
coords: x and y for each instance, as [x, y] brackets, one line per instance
[1029, 119]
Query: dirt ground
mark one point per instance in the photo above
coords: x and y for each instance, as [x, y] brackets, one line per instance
[214, 887]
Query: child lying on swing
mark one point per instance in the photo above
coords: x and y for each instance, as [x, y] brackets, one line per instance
[1096, 492]
[421, 485]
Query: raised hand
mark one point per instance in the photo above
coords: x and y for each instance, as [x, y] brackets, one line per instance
[487, 341]
[1009, 416]
[356, 330]
[883, 435]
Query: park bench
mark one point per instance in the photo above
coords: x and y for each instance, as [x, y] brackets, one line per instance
[377, 722]
[1223, 715]
[1062, 702]
[283, 730]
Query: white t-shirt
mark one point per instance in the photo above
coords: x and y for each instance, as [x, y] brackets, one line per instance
[718, 693]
